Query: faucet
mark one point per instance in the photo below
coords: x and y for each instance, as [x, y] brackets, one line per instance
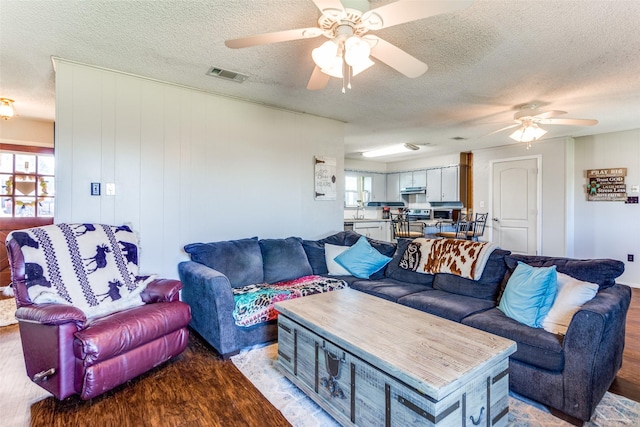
[357, 215]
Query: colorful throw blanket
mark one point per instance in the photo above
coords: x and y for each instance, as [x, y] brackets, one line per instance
[93, 267]
[254, 303]
[464, 258]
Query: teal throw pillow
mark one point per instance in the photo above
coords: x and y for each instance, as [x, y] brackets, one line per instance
[529, 294]
[362, 259]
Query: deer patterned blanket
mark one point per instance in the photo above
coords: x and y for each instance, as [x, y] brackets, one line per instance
[93, 267]
[254, 303]
[463, 258]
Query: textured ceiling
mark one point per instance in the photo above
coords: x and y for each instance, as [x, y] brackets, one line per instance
[578, 56]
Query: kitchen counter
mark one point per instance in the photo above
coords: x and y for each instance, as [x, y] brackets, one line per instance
[349, 220]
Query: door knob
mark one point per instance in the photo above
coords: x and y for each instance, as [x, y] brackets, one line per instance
[495, 219]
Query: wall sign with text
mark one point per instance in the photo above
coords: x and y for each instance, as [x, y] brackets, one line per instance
[606, 184]
[325, 181]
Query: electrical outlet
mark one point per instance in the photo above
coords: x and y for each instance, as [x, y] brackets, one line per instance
[111, 189]
[630, 257]
[95, 188]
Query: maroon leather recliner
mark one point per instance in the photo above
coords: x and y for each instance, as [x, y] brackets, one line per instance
[67, 354]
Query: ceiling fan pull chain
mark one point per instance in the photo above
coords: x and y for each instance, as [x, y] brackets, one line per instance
[350, 74]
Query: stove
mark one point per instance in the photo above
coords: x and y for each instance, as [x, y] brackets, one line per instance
[419, 214]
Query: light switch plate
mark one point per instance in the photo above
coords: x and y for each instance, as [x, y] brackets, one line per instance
[111, 189]
[95, 188]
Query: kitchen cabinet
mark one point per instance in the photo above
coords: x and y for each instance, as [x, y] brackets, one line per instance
[413, 179]
[393, 187]
[434, 185]
[378, 230]
[443, 184]
[450, 184]
[379, 187]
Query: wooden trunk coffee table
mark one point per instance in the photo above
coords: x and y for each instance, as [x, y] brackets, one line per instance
[370, 362]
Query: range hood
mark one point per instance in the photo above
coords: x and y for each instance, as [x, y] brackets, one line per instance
[413, 190]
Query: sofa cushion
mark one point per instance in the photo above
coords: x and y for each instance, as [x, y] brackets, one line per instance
[330, 254]
[362, 259]
[284, 259]
[529, 294]
[536, 346]
[487, 287]
[572, 294]
[600, 271]
[239, 260]
[388, 289]
[445, 304]
[394, 271]
[316, 255]
[315, 249]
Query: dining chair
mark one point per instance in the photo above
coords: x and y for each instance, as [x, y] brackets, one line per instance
[404, 229]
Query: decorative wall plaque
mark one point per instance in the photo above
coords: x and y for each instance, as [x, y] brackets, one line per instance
[606, 184]
[325, 181]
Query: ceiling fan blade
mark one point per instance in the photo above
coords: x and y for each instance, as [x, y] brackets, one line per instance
[503, 129]
[277, 37]
[333, 6]
[572, 122]
[396, 57]
[549, 114]
[318, 79]
[400, 12]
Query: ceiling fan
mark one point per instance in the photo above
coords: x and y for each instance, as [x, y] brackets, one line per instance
[530, 116]
[347, 51]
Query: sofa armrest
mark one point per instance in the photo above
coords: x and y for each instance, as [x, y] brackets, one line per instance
[209, 294]
[593, 348]
[51, 314]
[162, 290]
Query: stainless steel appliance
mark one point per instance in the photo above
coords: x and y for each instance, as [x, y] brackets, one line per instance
[443, 213]
[419, 214]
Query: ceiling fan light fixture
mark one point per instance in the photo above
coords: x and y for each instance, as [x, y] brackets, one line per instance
[528, 133]
[325, 56]
[7, 109]
[356, 51]
[394, 149]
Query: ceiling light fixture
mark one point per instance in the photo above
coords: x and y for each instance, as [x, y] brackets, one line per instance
[528, 132]
[7, 109]
[394, 149]
[344, 56]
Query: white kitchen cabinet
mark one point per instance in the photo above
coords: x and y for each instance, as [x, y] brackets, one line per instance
[413, 179]
[434, 185]
[450, 184]
[378, 230]
[443, 184]
[393, 187]
[379, 187]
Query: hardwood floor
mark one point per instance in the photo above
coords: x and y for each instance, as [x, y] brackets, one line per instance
[195, 389]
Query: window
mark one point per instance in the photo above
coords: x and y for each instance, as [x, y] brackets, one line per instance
[357, 190]
[27, 187]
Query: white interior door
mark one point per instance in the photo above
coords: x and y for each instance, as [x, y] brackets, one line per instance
[515, 205]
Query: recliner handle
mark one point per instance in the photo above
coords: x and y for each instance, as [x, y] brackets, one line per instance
[43, 375]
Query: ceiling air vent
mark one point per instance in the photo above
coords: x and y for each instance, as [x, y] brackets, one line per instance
[227, 74]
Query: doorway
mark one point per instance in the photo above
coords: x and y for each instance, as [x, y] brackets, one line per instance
[515, 204]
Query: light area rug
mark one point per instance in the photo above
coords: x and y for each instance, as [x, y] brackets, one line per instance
[258, 365]
[7, 311]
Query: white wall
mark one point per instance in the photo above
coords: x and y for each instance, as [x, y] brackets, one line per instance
[188, 166]
[555, 203]
[608, 229]
[25, 131]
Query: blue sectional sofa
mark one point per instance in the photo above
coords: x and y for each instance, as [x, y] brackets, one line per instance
[569, 373]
